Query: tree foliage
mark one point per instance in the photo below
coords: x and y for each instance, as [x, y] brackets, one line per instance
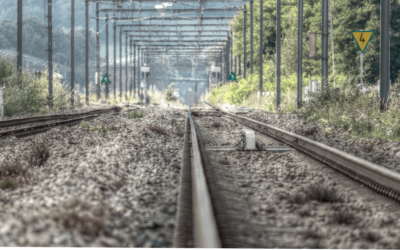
[34, 40]
[348, 15]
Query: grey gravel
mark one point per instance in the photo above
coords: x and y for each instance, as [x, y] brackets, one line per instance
[262, 188]
[120, 185]
[385, 153]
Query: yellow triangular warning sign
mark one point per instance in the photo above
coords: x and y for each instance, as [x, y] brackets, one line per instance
[362, 38]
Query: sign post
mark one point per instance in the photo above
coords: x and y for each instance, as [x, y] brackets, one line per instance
[362, 39]
[105, 79]
[2, 86]
[232, 77]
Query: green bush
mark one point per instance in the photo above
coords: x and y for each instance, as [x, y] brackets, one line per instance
[26, 94]
[84, 124]
[244, 91]
[135, 115]
[169, 94]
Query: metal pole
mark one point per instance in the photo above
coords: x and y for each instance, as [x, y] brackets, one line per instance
[362, 69]
[240, 66]
[126, 67]
[120, 63]
[227, 59]
[278, 53]
[221, 64]
[244, 40]
[324, 39]
[231, 51]
[300, 53]
[235, 64]
[19, 35]
[115, 59]
[50, 50]
[87, 51]
[138, 75]
[131, 66]
[134, 70]
[72, 52]
[107, 59]
[251, 36]
[385, 53]
[220, 61]
[97, 52]
[332, 47]
[260, 64]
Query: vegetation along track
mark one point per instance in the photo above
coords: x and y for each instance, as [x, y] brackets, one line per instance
[284, 200]
[41, 124]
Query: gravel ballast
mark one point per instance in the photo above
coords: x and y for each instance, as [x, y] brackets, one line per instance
[289, 200]
[381, 152]
[116, 189]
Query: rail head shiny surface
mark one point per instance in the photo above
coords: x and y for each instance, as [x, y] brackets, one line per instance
[378, 173]
[206, 231]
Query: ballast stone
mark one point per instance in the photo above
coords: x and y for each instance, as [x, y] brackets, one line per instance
[250, 139]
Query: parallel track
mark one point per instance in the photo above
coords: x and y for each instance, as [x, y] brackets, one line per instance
[377, 178]
[49, 122]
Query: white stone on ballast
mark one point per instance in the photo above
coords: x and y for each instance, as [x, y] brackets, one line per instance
[250, 139]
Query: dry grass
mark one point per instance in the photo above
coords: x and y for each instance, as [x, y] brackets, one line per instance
[317, 193]
[223, 160]
[371, 236]
[343, 217]
[310, 234]
[158, 129]
[12, 175]
[39, 155]
[81, 216]
[118, 109]
[216, 125]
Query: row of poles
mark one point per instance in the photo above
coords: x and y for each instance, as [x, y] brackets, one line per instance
[226, 54]
[384, 49]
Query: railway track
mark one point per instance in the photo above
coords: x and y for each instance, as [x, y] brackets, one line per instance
[41, 124]
[232, 196]
[377, 178]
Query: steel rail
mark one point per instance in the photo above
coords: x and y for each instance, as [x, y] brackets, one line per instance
[206, 231]
[183, 235]
[379, 179]
[41, 128]
[37, 129]
[22, 121]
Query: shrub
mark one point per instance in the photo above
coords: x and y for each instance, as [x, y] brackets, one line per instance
[104, 129]
[317, 193]
[135, 115]
[343, 217]
[25, 93]
[39, 154]
[81, 216]
[169, 94]
[12, 175]
[84, 124]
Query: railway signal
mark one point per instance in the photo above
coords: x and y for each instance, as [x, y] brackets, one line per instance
[362, 39]
[232, 77]
[105, 79]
